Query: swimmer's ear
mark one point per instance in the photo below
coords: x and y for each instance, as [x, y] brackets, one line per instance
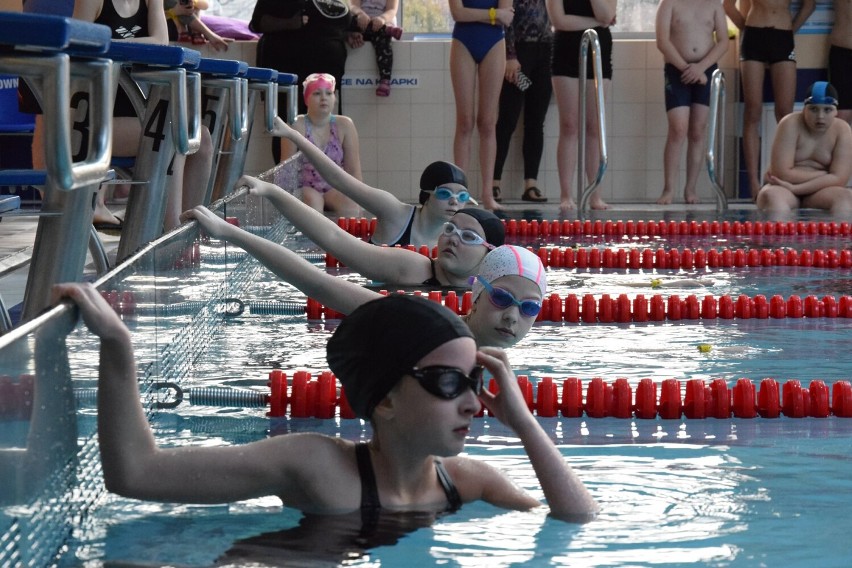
[385, 409]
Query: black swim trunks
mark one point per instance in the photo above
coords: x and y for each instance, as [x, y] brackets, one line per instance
[840, 74]
[769, 45]
[679, 94]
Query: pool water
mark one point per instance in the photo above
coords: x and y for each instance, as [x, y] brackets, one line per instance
[730, 492]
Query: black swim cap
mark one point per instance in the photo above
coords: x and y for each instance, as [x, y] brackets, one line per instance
[492, 226]
[437, 174]
[379, 342]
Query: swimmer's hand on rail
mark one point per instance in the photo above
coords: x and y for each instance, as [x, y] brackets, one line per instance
[210, 222]
[257, 186]
[97, 314]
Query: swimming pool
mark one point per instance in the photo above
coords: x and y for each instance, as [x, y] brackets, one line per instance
[724, 492]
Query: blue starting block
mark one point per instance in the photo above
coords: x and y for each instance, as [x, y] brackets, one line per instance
[50, 51]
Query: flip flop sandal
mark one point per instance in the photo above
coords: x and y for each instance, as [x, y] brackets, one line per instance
[533, 194]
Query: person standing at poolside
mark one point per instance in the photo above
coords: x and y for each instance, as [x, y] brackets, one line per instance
[692, 36]
[478, 55]
[840, 57]
[811, 159]
[767, 39]
[571, 18]
[529, 46]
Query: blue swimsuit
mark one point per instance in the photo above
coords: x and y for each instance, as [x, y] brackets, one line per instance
[478, 37]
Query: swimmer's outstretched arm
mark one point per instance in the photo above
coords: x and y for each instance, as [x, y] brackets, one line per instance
[133, 464]
[338, 294]
[383, 204]
[566, 495]
[384, 264]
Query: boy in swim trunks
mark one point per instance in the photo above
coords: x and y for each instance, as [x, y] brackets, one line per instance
[811, 159]
[692, 37]
[840, 57]
[767, 39]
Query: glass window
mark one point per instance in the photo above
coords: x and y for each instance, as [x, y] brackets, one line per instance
[433, 16]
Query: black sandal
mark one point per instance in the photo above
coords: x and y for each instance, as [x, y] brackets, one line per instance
[533, 194]
[495, 191]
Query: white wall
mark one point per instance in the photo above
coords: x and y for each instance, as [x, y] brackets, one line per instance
[414, 126]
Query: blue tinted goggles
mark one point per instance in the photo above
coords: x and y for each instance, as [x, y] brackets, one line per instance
[445, 193]
[503, 299]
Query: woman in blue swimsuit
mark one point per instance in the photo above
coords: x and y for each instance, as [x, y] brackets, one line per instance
[478, 53]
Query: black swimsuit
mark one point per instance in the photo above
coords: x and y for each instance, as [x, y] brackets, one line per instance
[404, 238]
[370, 505]
[434, 280]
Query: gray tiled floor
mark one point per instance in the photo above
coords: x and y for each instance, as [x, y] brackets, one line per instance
[17, 235]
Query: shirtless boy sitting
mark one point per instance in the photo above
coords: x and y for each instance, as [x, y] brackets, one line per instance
[811, 159]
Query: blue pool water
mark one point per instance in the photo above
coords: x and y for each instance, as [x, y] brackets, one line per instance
[732, 492]
[684, 492]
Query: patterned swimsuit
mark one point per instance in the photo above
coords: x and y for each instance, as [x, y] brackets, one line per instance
[310, 177]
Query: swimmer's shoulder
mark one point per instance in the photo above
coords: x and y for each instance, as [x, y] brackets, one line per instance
[477, 480]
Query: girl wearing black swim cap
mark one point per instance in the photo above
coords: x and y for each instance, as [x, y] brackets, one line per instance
[420, 386]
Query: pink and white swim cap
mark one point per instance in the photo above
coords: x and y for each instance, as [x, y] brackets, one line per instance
[315, 81]
[509, 260]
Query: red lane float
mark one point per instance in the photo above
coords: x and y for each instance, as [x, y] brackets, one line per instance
[544, 229]
[522, 228]
[687, 258]
[321, 396]
[671, 259]
[606, 309]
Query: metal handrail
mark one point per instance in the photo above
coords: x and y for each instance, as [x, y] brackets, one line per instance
[590, 37]
[716, 137]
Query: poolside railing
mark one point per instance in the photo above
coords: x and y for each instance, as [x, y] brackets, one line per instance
[591, 42]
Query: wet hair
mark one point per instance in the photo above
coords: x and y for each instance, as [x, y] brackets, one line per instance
[382, 340]
[437, 174]
[510, 260]
[492, 226]
[821, 93]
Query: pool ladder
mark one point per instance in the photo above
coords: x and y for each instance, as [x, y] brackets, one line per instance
[716, 139]
[590, 40]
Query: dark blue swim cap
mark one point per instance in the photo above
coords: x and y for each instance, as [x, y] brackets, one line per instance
[821, 93]
[437, 174]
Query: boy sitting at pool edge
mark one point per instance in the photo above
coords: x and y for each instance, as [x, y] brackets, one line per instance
[811, 159]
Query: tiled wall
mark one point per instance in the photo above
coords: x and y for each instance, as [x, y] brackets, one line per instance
[414, 126]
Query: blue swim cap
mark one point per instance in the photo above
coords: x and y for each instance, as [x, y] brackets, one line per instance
[821, 93]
